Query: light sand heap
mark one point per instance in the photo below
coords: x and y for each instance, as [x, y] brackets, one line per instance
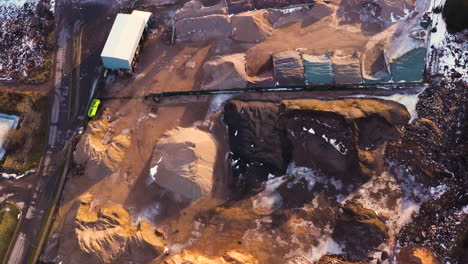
[225, 72]
[108, 234]
[103, 145]
[183, 162]
[229, 257]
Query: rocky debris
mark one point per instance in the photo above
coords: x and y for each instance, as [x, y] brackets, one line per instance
[288, 68]
[25, 39]
[196, 8]
[346, 67]
[335, 260]
[250, 26]
[360, 230]
[306, 15]
[417, 255]
[239, 6]
[230, 257]
[203, 28]
[102, 144]
[433, 151]
[183, 162]
[225, 72]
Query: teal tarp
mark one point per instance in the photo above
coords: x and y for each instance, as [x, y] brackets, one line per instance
[317, 69]
[410, 66]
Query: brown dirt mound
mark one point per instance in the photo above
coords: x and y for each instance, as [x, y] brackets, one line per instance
[183, 162]
[225, 72]
[417, 255]
[251, 26]
[360, 230]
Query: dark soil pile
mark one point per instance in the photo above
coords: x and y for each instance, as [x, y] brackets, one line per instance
[333, 137]
[433, 149]
[360, 230]
[455, 15]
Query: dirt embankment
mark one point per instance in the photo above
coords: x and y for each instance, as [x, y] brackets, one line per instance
[341, 138]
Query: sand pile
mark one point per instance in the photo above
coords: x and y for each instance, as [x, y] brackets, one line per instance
[225, 72]
[107, 233]
[102, 144]
[251, 26]
[417, 255]
[183, 162]
[229, 257]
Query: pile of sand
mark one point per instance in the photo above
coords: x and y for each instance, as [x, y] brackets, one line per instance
[251, 26]
[106, 235]
[102, 144]
[225, 72]
[419, 255]
[374, 64]
[183, 162]
[229, 257]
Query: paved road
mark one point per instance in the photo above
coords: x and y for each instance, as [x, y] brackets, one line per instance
[67, 112]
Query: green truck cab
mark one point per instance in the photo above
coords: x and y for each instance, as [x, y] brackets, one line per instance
[93, 107]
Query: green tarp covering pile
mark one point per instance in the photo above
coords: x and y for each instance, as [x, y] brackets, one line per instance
[317, 69]
[409, 67]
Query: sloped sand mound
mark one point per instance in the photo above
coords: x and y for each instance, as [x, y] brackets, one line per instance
[103, 145]
[225, 72]
[230, 257]
[108, 234]
[183, 162]
[251, 26]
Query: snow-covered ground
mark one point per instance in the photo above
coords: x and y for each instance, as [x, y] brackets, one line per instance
[24, 39]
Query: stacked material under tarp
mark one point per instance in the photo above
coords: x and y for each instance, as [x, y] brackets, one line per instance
[409, 67]
[317, 69]
[375, 67]
[239, 6]
[288, 68]
[346, 68]
[262, 4]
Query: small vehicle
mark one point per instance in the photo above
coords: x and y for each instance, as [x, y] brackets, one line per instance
[93, 107]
